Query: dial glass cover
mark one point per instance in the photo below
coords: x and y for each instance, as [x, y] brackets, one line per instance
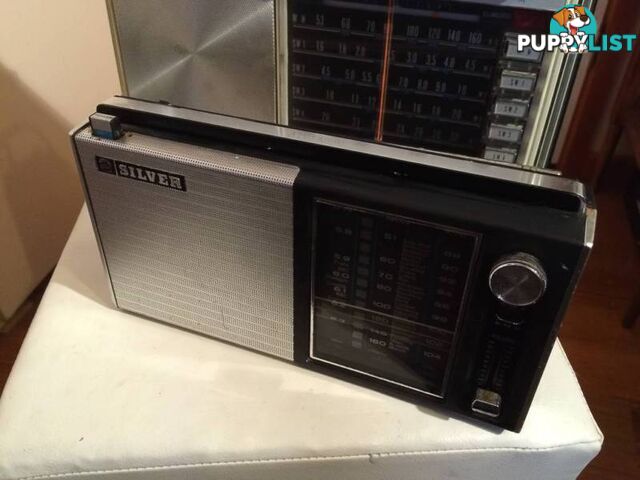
[388, 293]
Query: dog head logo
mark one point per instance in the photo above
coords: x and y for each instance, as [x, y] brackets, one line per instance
[572, 18]
[573, 23]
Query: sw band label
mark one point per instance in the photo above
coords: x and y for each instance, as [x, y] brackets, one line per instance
[142, 174]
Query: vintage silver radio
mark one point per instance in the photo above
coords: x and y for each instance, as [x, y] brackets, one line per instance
[429, 277]
[443, 75]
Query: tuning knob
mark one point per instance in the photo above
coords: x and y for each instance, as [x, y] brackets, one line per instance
[518, 280]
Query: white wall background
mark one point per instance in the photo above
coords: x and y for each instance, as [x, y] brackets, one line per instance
[56, 64]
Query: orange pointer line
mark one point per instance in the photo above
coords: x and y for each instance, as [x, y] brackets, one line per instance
[388, 33]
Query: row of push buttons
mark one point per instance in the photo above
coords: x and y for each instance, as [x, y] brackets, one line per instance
[510, 110]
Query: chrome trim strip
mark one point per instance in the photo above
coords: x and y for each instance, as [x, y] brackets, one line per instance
[103, 258]
[281, 26]
[555, 106]
[590, 227]
[506, 173]
[559, 102]
[115, 40]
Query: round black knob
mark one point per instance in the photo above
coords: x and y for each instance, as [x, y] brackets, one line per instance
[518, 280]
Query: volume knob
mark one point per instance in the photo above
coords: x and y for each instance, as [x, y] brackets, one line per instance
[518, 280]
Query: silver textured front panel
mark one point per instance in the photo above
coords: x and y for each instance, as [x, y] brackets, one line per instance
[211, 55]
[216, 258]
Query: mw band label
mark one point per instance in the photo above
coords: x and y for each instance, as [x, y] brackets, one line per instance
[141, 174]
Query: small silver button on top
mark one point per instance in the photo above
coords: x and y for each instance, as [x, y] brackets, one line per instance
[518, 280]
[105, 126]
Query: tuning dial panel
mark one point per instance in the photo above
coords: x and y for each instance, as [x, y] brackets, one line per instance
[518, 280]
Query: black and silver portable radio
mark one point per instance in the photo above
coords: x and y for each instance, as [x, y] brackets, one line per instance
[443, 75]
[428, 277]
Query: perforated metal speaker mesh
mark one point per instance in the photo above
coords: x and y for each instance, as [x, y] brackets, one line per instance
[216, 258]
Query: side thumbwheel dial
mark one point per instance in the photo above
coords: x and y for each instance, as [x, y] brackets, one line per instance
[518, 280]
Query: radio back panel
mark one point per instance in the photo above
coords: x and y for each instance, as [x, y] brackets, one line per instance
[443, 75]
[380, 265]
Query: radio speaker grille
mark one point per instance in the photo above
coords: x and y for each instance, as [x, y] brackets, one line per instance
[216, 258]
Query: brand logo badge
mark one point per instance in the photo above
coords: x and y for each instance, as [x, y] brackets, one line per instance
[142, 174]
[573, 29]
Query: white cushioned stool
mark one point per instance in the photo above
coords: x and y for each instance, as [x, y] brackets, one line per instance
[97, 393]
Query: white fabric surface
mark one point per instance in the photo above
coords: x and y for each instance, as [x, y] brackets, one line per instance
[113, 395]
